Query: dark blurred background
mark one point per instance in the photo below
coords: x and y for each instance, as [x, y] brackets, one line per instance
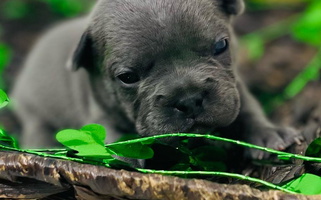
[21, 23]
[279, 41]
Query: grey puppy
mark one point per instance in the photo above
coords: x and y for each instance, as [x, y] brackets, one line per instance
[142, 66]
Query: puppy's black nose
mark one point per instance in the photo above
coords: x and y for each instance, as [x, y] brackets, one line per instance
[191, 105]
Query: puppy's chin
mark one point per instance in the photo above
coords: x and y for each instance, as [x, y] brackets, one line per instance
[175, 141]
[174, 125]
[201, 129]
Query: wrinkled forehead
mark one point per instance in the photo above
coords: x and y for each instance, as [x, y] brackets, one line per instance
[146, 24]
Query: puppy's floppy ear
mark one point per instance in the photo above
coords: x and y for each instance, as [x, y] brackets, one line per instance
[83, 55]
[232, 7]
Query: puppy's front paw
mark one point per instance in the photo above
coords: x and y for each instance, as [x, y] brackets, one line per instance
[278, 138]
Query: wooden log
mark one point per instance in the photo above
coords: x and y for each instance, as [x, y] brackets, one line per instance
[17, 170]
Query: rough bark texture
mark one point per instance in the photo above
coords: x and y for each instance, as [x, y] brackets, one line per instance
[25, 176]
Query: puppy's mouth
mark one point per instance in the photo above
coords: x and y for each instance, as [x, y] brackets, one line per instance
[194, 126]
[201, 129]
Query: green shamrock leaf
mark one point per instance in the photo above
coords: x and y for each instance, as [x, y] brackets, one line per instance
[138, 150]
[7, 140]
[314, 149]
[304, 184]
[88, 141]
[4, 100]
[135, 150]
[97, 131]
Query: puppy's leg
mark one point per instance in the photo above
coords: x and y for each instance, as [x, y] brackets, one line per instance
[35, 132]
[312, 129]
[37, 135]
[257, 129]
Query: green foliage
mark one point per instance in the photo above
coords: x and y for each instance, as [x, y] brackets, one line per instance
[19, 9]
[70, 8]
[308, 184]
[255, 42]
[314, 149]
[136, 150]
[311, 72]
[207, 158]
[88, 141]
[7, 140]
[15, 9]
[254, 45]
[4, 99]
[272, 4]
[5, 57]
[304, 27]
[308, 27]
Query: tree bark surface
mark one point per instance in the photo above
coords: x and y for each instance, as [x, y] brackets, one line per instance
[25, 176]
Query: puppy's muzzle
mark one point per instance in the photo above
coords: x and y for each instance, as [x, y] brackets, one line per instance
[190, 106]
[185, 102]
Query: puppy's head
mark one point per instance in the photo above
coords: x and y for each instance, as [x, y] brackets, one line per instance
[166, 64]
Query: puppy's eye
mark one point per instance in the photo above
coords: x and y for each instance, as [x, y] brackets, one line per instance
[220, 46]
[128, 78]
